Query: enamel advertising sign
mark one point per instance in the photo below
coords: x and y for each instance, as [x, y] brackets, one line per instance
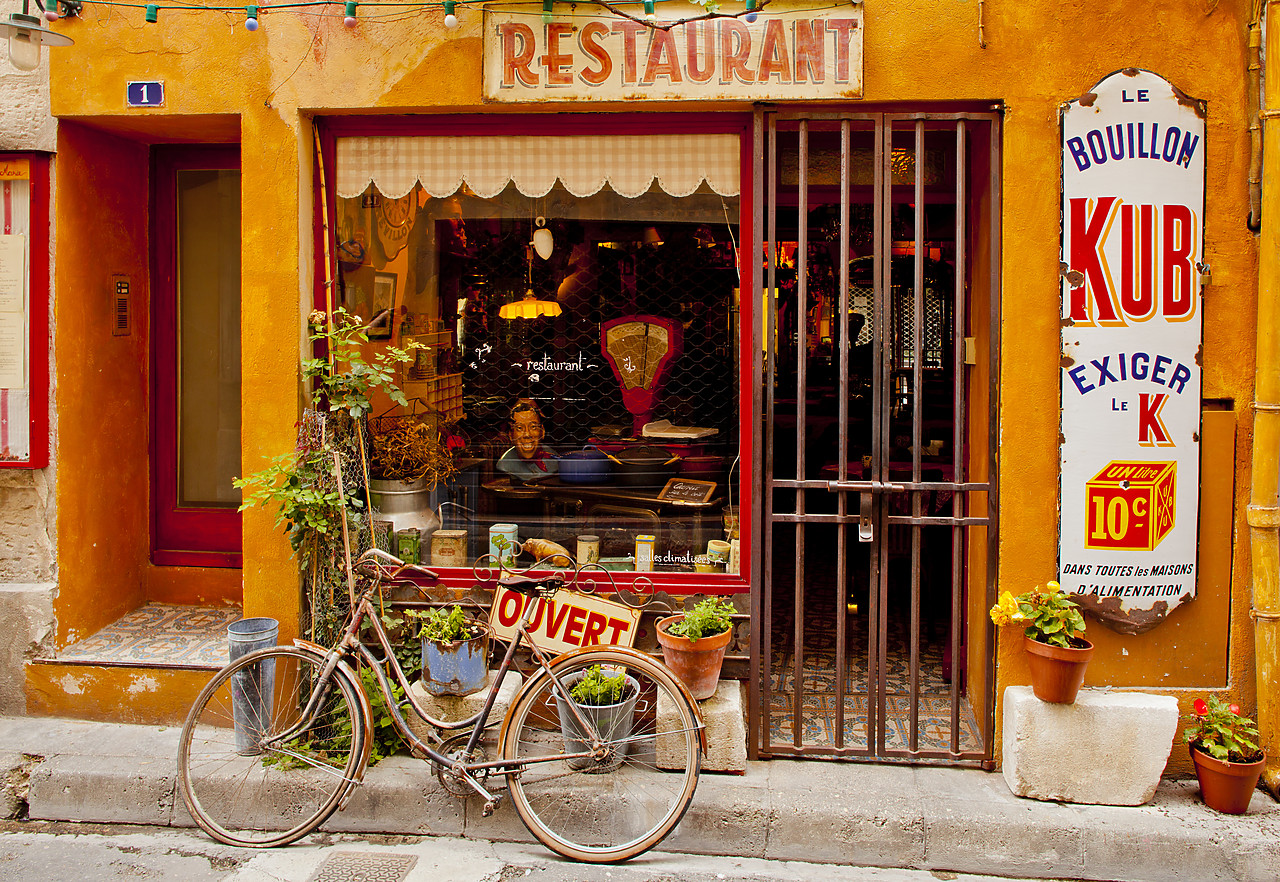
[786, 53]
[1132, 258]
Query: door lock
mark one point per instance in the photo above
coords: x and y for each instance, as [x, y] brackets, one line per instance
[865, 489]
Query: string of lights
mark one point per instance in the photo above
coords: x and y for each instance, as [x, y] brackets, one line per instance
[550, 9]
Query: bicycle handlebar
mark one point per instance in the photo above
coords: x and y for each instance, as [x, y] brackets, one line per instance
[385, 567]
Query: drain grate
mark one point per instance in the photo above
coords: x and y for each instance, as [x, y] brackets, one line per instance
[364, 866]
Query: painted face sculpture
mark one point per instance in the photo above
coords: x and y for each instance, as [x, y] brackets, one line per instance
[526, 432]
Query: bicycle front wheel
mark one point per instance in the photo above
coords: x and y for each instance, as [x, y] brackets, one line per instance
[605, 783]
[256, 768]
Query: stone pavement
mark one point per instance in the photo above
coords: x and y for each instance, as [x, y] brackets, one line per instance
[956, 820]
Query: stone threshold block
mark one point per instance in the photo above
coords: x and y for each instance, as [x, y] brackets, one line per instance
[1109, 748]
[725, 718]
[450, 708]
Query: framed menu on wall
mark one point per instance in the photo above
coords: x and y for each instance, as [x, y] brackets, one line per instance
[24, 310]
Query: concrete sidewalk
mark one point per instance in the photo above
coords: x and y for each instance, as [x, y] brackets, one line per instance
[865, 815]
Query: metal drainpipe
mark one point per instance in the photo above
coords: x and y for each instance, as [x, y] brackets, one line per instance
[1263, 512]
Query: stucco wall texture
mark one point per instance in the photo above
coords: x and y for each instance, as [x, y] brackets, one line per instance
[1037, 55]
[28, 558]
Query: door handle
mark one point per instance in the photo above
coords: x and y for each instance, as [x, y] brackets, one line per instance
[866, 527]
[865, 490]
[865, 487]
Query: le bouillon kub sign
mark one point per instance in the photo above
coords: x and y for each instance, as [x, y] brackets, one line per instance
[1132, 259]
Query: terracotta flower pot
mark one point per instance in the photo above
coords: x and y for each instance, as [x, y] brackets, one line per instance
[696, 662]
[1226, 787]
[1056, 673]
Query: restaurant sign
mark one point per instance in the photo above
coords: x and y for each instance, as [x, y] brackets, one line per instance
[787, 53]
[1132, 259]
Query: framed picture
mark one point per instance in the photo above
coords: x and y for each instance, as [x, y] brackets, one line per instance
[384, 302]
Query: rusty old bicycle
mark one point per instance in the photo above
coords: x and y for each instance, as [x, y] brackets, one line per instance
[278, 739]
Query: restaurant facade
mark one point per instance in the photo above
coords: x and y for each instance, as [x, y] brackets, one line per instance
[813, 307]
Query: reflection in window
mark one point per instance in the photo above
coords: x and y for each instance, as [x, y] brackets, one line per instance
[581, 349]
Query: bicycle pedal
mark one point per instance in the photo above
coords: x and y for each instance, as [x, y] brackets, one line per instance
[489, 808]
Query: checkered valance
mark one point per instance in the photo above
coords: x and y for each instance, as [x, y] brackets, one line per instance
[584, 164]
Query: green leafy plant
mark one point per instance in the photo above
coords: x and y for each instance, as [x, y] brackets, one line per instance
[1220, 731]
[598, 687]
[294, 484]
[446, 624]
[349, 380]
[709, 616]
[1049, 614]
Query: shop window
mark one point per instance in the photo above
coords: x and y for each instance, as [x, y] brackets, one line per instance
[196, 347]
[578, 298]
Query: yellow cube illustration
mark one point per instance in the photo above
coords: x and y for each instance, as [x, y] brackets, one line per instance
[1131, 505]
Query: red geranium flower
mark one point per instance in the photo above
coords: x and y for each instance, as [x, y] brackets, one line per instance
[1201, 708]
[1234, 708]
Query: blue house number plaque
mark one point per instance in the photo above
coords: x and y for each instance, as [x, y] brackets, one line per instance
[145, 94]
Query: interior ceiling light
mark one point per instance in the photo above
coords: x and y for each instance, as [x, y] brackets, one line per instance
[26, 36]
[528, 308]
[543, 243]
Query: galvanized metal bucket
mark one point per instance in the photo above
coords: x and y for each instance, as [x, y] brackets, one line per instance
[253, 686]
[457, 668]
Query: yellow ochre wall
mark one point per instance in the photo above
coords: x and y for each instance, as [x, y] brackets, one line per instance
[1038, 55]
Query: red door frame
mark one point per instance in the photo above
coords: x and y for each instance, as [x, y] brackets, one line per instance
[496, 125]
[180, 536]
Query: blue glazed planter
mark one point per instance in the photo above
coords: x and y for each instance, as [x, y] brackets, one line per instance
[457, 668]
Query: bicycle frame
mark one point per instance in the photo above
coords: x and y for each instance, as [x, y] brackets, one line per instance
[350, 645]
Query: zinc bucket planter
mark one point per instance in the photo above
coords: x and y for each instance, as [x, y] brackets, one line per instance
[612, 721]
[696, 662]
[1225, 786]
[1056, 673]
[460, 667]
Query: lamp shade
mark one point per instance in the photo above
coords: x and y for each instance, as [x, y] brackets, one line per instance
[528, 308]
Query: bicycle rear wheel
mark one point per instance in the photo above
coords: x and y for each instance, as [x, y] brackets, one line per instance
[627, 796]
[244, 786]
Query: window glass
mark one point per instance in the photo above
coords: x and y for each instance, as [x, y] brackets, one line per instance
[209, 336]
[582, 351]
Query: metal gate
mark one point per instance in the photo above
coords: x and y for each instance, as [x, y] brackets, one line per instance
[878, 357]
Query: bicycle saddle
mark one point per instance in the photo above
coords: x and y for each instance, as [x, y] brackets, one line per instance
[530, 586]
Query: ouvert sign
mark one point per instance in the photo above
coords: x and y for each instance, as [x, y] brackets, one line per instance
[787, 53]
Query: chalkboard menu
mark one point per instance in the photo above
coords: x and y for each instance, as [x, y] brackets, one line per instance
[684, 490]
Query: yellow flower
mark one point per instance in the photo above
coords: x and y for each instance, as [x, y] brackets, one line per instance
[1052, 587]
[1005, 611]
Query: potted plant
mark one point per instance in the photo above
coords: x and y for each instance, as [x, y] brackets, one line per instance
[607, 699]
[1225, 751]
[455, 651]
[694, 643]
[1054, 639]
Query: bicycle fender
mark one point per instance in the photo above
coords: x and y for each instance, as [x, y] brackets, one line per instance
[366, 710]
[625, 650]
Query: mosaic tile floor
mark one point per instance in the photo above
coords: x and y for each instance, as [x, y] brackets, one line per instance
[818, 679]
[159, 635]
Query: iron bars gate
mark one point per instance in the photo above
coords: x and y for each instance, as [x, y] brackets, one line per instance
[877, 244]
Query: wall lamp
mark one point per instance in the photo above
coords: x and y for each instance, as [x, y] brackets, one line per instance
[26, 35]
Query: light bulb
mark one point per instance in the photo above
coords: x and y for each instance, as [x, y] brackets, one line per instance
[350, 19]
[649, 14]
[450, 14]
[751, 15]
[251, 18]
[543, 243]
[51, 13]
[546, 12]
[24, 50]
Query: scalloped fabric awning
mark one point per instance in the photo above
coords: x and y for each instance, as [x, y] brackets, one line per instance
[583, 163]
